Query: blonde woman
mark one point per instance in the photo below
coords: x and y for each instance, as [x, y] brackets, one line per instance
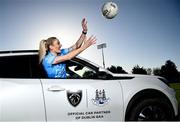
[52, 56]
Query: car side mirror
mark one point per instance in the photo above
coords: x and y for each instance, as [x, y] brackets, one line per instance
[104, 75]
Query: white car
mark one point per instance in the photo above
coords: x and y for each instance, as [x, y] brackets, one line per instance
[90, 93]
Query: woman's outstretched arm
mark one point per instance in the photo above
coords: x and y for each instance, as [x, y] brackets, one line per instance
[82, 36]
[72, 54]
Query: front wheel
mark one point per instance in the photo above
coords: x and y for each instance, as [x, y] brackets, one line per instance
[151, 109]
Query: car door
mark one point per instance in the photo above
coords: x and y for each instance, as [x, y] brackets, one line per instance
[79, 98]
[21, 97]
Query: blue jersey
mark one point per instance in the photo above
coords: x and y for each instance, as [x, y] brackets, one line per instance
[55, 70]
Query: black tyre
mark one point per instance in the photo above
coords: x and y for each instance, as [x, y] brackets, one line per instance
[151, 109]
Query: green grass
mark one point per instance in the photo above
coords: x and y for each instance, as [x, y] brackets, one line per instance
[176, 86]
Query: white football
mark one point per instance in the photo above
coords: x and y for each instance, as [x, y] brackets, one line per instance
[110, 10]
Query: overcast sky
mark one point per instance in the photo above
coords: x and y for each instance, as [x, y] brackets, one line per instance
[145, 32]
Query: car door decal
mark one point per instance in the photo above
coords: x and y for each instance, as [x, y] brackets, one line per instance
[100, 98]
[74, 98]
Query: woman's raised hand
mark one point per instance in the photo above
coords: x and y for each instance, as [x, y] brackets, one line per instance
[88, 42]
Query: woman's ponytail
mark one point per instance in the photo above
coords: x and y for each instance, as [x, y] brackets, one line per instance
[42, 50]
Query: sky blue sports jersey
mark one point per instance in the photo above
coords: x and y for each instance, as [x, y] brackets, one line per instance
[55, 70]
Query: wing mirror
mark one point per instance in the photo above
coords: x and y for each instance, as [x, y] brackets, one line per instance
[103, 74]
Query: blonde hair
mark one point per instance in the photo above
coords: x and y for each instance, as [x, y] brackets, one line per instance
[44, 47]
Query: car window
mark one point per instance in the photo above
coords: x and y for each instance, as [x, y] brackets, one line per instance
[27, 66]
[76, 70]
[37, 70]
[14, 67]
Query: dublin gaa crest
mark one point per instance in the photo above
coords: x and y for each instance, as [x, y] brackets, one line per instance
[74, 98]
[100, 98]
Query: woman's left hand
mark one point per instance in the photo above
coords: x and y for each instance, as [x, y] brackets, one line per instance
[84, 25]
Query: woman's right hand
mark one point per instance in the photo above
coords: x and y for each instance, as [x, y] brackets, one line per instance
[88, 42]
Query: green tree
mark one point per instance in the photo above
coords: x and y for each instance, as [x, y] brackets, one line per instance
[157, 71]
[117, 69]
[139, 70]
[169, 71]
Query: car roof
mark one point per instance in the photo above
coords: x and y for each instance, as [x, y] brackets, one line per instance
[18, 52]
